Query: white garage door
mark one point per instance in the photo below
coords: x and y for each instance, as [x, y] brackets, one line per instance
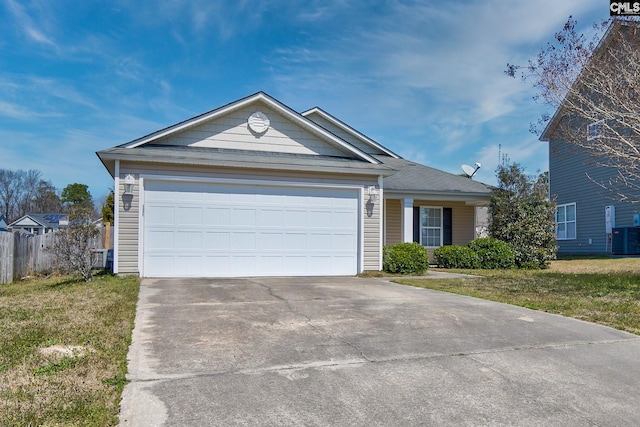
[225, 230]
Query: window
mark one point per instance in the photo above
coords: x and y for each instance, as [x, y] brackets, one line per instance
[431, 227]
[566, 221]
[595, 130]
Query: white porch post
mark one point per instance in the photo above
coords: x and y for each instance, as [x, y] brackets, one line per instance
[407, 221]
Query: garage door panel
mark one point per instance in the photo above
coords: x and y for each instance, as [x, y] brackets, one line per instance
[319, 242]
[160, 215]
[319, 219]
[342, 262]
[192, 263]
[190, 215]
[270, 218]
[343, 242]
[243, 241]
[217, 240]
[188, 240]
[159, 239]
[269, 242]
[274, 264]
[243, 217]
[296, 265]
[216, 265]
[295, 218]
[242, 265]
[241, 230]
[343, 219]
[216, 216]
[295, 241]
[162, 266]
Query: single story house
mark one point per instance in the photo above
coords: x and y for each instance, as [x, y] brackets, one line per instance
[3, 223]
[40, 223]
[254, 188]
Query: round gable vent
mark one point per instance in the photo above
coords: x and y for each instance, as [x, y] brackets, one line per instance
[258, 122]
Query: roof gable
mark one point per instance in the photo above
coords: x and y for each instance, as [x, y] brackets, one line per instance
[610, 36]
[227, 128]
[346, 132]
[51, 220]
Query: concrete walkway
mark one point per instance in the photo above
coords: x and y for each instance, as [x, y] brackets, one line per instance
[366, 352]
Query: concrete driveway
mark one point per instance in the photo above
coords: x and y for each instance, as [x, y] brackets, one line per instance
[365, 352]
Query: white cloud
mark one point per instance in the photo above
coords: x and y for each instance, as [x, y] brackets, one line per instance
[32, 27]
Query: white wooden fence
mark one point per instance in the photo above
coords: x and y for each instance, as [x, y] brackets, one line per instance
[23, 254]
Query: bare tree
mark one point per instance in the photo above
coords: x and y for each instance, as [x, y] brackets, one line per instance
[72, 246]
[595, 88]
[22, 192]
[9, 187]
[47, 199]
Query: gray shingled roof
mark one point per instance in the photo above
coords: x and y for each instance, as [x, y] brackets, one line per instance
[50, 220]
[414, 177]
[240, 158]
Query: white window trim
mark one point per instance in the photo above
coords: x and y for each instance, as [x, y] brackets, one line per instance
[421, 227]
[575, 221]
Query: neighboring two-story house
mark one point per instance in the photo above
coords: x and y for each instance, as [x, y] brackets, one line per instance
[588, 211]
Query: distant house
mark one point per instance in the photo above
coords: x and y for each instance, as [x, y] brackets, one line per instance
[3, 223]
[254, 188]
[40, 223]
[586, 212]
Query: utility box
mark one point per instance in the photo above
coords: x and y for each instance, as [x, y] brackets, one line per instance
[609, 218]
[625, 241]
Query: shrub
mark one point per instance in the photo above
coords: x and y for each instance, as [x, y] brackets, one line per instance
[493, 253]
[405, 258]
[456, 257]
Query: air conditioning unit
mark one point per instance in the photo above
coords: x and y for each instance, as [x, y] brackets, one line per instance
[625, 241]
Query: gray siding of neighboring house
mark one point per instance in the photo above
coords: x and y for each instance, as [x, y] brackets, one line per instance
[572, 174]
[128, 230]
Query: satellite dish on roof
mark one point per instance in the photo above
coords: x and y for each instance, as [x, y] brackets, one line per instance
[469, 170]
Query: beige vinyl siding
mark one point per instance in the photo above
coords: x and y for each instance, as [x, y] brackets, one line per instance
[463, 220]
[232, 132]
[128, 234]
[369, 149]
[128, 225]
[393, 221]
[371, 234]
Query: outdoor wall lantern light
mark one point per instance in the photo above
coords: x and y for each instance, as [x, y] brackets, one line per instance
[129, 180]
[373, 194]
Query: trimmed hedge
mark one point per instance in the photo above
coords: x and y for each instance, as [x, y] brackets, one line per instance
[405, 258]
[493, 253]
[455, 256]
[488, 253]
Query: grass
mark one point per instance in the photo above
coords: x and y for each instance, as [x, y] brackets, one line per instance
[63, 347]
[602, 290]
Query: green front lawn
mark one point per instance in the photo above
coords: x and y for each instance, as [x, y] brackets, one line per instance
[605, 291]
[63, 347]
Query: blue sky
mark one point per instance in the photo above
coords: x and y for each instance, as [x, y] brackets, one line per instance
[424, 78]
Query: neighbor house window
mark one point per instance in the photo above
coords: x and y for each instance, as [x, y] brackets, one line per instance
[431, 227]
[566, 221]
